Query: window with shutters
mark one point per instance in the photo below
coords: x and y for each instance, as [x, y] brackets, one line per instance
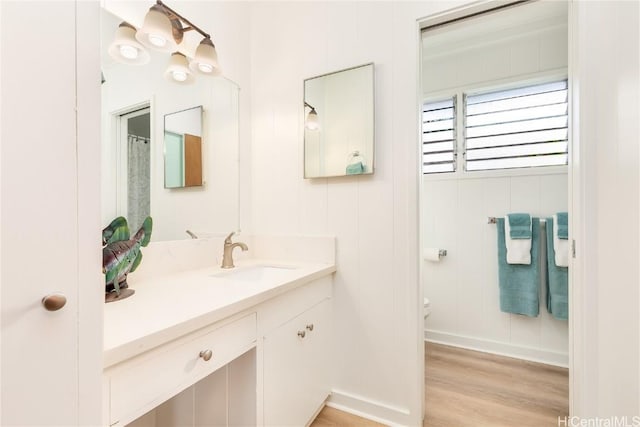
[516, 128]
[521, 127]
[439, 136]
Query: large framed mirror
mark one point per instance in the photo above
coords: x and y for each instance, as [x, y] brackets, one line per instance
[133, 154]
[183, 148]
[339, 129]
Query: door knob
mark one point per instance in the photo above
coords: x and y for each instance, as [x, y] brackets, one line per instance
[310, 327]
[206, 355]
[54, 302]
[301, 334]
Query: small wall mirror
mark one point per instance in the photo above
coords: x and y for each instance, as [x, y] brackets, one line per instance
[183, 148]
[339, 123]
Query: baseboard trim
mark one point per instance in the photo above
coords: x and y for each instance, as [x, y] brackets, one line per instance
[369, 409]
[495, 347]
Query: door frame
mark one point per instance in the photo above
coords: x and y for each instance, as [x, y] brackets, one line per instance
[577, 333]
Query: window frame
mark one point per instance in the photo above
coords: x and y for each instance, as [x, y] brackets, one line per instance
[460, 143]
[455, 148]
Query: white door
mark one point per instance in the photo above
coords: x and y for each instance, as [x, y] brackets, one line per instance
[49, 198]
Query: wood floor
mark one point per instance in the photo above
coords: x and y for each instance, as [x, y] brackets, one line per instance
[330, 417]
[468, 388]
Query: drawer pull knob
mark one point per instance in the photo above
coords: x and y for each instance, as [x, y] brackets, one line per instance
[54, 302]
[206, 355]
[301, 334]
[310, 327]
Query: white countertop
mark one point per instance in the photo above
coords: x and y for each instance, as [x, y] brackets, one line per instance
[168, 307]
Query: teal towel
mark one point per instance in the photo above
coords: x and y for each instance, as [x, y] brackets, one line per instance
[563, 225]
[520, 225]
[355, 168]
[557, 280]
[519, 284]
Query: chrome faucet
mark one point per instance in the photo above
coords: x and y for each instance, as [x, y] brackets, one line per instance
[227, 258]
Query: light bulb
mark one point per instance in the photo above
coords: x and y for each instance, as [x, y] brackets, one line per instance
[205, 61]
[128, 51]
[205, 68]
[157, 40]
[125, 48]
[312, 120]
[179, 76]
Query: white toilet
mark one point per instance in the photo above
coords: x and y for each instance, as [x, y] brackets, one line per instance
[427, 308]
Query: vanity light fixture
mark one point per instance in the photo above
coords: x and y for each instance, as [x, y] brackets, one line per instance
[311, 121]
[163, 30]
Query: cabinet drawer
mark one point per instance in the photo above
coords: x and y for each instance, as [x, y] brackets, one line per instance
[142, 383]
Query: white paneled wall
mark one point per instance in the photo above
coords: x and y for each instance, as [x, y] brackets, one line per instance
[377, 359]
[463, 286]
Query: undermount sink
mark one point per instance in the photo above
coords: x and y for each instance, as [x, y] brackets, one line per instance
[254, 273]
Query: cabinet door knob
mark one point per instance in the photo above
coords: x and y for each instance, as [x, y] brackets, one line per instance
[206, 355]
[310, 327]
[301, 334]
[54, 302]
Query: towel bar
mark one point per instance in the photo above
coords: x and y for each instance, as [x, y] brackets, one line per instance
[493, 220]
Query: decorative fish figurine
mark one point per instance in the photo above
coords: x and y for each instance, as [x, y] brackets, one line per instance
[122, 255]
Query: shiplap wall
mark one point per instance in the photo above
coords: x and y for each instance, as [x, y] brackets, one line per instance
[377, 361]
[525, 42]
[463, 286]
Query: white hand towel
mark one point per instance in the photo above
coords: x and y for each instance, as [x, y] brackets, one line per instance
[560, 246]
[518, 250]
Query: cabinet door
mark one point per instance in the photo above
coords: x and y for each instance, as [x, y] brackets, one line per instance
[50, 198]
[296, 377]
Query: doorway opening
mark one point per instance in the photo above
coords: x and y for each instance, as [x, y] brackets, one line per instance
[134, 165]
[495, 140]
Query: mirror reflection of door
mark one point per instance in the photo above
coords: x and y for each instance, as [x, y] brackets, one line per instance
[192, 160]
[135, 146]
[183, 148]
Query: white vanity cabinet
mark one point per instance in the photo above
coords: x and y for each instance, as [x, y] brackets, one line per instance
[244, 352]
[142, 383]
[295, 341]
[296, 374]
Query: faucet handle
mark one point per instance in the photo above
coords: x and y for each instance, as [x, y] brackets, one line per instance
[228, 239]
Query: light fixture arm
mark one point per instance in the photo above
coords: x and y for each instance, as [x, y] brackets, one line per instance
[306, 104]
[183, 19]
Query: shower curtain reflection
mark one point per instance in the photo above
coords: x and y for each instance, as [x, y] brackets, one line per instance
[138, 170]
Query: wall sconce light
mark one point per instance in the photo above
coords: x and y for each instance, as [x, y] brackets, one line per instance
[163, 30]
[311, 122]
